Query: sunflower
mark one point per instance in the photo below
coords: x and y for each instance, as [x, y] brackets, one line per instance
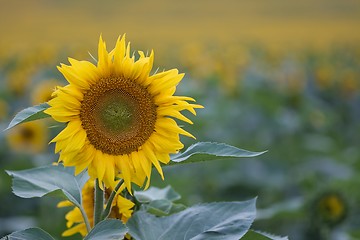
[43, 91]
[120, 118]
[30, 137]
[121, 209]
[331, 208]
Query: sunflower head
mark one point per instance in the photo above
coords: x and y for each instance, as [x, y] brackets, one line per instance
[120, 117]
[30, 137]
[330, 208]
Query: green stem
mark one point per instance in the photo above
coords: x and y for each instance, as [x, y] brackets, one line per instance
[99, 202]
[106, 212]
[86, 220]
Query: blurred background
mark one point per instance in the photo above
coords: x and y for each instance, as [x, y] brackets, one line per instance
[282, 76]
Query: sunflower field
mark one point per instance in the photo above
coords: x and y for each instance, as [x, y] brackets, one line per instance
[167, 120]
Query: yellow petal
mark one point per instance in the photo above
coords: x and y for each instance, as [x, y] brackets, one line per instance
[109, 178]
[166, 144]
[144, 75]
[68, 102]
[70, 90]
[72, 77]
[165, 124]
[145, 163]
[150, 155]
[138, 169]
[123, 162]
[166, 82]
[97, 168]
[65, 203]
[85, 158]
[76, 142]
[85, 70]
[103, 58]
[119, 53]
[170, 112]
[78, 228]
[61, 114]
[163, 157]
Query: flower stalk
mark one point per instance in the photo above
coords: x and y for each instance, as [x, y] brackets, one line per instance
[107, 210]
[98, 202]
[86, 220]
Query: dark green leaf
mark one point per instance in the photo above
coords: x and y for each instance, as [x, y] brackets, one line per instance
[108, 229]
[205, 151]
[154, 193]
[220, 221]
[37, 182]
[29, 114]
[29, 234]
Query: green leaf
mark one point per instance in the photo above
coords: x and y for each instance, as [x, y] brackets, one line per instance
[159, 202]
[29, 114]
[154, 193]
[213, 221]
[29, 234]
[257, 235]
[37, 182]
[206, 151]
[108, 229]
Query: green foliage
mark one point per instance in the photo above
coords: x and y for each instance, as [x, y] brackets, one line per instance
[154, 193]
[29, 234]
[223, 220]
[159, 202]
[29, 114]
[107, 229]
[39, 181]
[206, 151]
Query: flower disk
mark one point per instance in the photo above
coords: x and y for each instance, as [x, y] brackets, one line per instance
[118, 115]
[120, 118]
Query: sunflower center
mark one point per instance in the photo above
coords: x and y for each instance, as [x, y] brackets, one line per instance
[27, 133]
[118, 115]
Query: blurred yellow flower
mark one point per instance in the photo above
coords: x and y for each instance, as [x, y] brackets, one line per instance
[119, 118]
[122, 209]
[349, 83]
[30, 137]
[43, 91]
[4, 110]
[18, 80]
[324, 76]
[331, 208]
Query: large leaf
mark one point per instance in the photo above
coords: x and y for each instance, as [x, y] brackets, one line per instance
[205, 151]
[37, 182]
[29, 234]
[108, 229]
[29, 114]
[213, 221]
